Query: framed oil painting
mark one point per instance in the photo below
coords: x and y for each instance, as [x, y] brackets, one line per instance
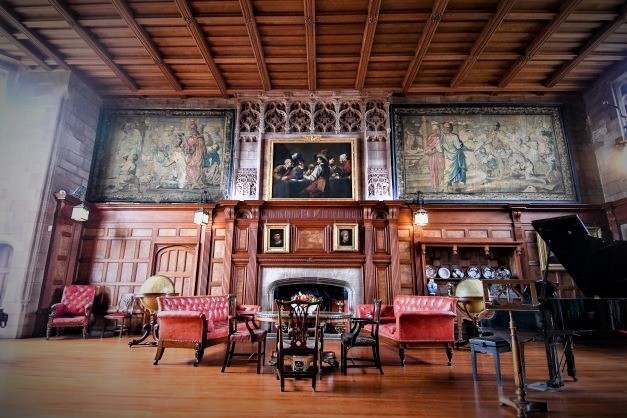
[276, 238]
[482, 153]
[553, 262]
[311, 167]
[345, 237]
[162, 156]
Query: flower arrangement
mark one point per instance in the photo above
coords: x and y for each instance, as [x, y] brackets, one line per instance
[305, 297]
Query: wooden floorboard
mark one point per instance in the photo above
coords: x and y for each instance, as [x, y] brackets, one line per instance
[71, 377]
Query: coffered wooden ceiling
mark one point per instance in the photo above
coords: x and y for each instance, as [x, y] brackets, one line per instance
[226, 48]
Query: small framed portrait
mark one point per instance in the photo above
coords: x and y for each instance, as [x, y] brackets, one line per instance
[345, 237]
[276, 238]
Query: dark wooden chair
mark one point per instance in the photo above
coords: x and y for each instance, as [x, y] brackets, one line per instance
[252, 334]
[122, 316]
[363, 332]
[74, 310]
[298, 354]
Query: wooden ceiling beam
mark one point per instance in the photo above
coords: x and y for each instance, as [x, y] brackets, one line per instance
[10, 59]
[482, 41]
[26, 50]
[10, 17]
[602, 34]
[538, 42]
[310, 43]
[437, 10]
[366, 44]
[201, 43]
[255, 42]
[93, 43]
[143, 37]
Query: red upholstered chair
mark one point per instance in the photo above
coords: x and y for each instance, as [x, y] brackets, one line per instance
[74, 310]
[251, 334]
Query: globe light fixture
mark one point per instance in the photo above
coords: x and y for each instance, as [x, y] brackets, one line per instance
[421, 217]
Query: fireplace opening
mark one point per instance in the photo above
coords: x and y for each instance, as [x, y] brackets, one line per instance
[333, 298]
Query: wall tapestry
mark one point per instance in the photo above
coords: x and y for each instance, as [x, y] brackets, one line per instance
[486, 153]
[162, 156]
[312, 167]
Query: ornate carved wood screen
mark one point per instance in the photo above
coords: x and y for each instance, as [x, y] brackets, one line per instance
[360, 117]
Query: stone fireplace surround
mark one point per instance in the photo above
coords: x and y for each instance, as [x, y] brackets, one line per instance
[348, 277]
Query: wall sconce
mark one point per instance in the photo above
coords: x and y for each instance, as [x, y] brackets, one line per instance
[201, 216]
[80, 213]
[421, 217]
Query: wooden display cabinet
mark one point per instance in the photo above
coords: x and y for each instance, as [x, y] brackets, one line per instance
[462, 256]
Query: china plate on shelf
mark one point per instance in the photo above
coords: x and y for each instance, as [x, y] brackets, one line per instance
[444, 273]
[430, 272]
[488, 272]
[457, 273]
[473, 272]
[506, 273]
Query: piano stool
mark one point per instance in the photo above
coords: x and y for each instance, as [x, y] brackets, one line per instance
[492, 345]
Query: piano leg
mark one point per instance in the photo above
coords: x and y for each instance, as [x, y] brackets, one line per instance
[553, 363]
[569, 355]
[520, 402]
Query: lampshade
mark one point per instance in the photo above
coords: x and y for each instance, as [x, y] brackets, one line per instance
[201, 217]
[80, 213]
[421, 217]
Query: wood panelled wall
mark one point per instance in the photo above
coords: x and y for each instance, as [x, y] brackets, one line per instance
[123, 244]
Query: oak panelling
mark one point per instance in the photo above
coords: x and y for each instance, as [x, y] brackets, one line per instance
[311, 239]
[179, 264]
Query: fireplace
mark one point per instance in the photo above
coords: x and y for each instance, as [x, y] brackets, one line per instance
[332, 293]
[343, 284]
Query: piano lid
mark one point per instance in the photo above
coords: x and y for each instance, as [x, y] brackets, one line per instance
[598, 267]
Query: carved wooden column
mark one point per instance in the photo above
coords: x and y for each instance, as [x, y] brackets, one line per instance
[204, 255]
[62, 258]
[229, 217]
[394, 208]
[370, 282]
[252, 279]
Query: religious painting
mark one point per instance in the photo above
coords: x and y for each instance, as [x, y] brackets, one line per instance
[482, 153]
[311, 167]
[345, 237]
[168, 156]
[550, 259]
[276, 238]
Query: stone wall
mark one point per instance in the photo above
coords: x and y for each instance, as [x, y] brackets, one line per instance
[47, 130]
[605, 127]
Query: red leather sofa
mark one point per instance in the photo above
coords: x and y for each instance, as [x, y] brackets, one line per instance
[417, 321]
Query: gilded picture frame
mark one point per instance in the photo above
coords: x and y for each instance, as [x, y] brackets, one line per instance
[312, 167]
[553, 262]
[162, 156]
[484, 153]
[276, 238]
[346, 237]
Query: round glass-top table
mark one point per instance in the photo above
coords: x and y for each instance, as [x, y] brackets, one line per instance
[338, 318]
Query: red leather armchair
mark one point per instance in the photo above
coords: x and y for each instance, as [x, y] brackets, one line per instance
[74, 310]
[421, 321]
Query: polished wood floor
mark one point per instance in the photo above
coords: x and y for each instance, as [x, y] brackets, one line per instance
[71, 377]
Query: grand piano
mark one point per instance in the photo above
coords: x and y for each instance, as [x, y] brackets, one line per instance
[599, 269]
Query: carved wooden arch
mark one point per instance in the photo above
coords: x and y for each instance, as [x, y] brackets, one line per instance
[179, 262]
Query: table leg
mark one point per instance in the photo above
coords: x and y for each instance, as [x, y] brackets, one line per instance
[520, 402]
[150, 329]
